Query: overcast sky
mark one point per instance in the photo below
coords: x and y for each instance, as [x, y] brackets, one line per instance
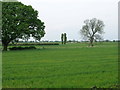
[67, 16]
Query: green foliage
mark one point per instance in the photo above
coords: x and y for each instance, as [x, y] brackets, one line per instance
[63, 66]
[64, 38]
[22, 48]
[20, 21]
[33, 44]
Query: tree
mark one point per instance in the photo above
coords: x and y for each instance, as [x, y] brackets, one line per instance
[62, 35]
[20, 21]
[92, 30]
[65, 38]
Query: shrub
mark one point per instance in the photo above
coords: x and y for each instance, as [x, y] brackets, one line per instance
[49, 44]
[25, 44]
[22, 48]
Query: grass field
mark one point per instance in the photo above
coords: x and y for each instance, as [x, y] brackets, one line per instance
[64, 66]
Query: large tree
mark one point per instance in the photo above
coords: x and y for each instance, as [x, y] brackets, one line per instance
[92, 30]
[20, 21]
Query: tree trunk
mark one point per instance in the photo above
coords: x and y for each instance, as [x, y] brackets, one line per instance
[5, 47]
[91, 42]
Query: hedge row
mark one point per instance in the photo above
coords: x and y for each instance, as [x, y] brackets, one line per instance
[49, 44]
[22, 48]
[19, 44]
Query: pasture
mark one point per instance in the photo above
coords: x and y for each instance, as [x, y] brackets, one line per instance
[62, 66]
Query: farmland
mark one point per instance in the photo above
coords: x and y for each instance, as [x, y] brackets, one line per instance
[73, 65]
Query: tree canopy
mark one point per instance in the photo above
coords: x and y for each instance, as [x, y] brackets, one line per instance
[92, 30]
[20, 21]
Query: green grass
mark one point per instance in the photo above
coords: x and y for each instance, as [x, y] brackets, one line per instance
[63, 66]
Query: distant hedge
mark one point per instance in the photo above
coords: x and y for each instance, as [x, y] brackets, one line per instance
[22, 48]
[24, 44]
[49, 44]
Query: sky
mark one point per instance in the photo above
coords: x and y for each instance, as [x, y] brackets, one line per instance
[67, 16]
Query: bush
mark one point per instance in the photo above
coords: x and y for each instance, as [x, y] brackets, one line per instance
[49, 44]
[22, 48]
[25, 44]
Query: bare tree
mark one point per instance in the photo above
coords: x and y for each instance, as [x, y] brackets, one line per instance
[92, 30]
